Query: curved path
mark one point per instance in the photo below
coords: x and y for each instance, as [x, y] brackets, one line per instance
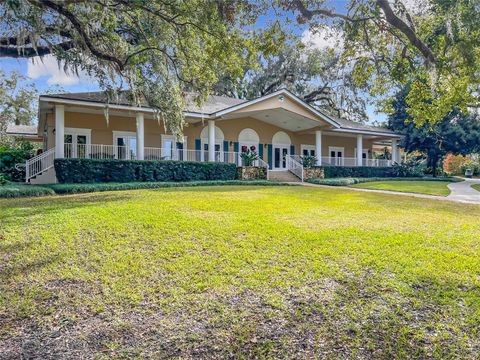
[463, 191]
[460, 191]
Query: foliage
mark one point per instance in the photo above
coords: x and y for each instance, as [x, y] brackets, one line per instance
[353, 180]
[316, 75]
[432, 44]
[11, 190]
[92, 170]
[370, 171]
[474, 165]
[156, 49]
[98, 187]
[248, 155]
[309, 161]
[453, 164]
[457, 133]
[11, 155]
[239, 272]
[3, 179]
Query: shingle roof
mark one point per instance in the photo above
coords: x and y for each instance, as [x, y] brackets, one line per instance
[22, 130]
[213, 104]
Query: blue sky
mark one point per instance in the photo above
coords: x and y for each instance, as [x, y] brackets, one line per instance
[48, 75]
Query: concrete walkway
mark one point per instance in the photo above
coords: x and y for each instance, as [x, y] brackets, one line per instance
[462, 194]
[463, 191]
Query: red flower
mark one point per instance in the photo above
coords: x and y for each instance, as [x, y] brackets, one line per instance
[252, 148]
[244, 148]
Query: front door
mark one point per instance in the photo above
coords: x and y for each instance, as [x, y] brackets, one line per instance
[279, 157]
[126, 148]
[218, 153]
[76, 146]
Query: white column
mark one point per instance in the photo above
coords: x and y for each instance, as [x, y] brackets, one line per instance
[395, 151]
[211, 140]
[318, 147]
[140, 136]
[59, 131]
[359, 150]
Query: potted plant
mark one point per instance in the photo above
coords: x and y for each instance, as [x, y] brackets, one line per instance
[249, 155]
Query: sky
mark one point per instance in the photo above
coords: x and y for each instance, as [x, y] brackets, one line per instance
[48, 75]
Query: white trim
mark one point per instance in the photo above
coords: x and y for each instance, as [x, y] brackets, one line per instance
[78, 131]
[280, 146]
[74, 133]
[336, 149]
[365, 132]
[127, 134]
[307, 147]
[276, 93]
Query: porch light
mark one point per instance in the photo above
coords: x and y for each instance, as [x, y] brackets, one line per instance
[281, 98]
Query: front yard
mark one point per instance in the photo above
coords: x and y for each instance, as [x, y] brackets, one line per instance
[239, 271]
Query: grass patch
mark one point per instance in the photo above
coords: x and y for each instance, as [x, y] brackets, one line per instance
[14, 190]
[476, 187]
[417, 187]
[239, 272]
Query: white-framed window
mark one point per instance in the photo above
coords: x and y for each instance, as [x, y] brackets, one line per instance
[281, 149]
[172, 149]
[336, 155]
[307, 150]
[364, 155]
[77, 142]
[125, 143]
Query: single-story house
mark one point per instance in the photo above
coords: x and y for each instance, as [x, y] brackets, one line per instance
[24, 132]
[280, 126]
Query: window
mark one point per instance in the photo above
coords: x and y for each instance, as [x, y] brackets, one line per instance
[126, 145]
[77, 142]
[173, 150]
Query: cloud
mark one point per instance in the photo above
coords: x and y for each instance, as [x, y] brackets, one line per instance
[49, 67]
[323, 38]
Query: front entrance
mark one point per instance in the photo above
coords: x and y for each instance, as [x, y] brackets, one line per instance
[336, 157]
[280, 152]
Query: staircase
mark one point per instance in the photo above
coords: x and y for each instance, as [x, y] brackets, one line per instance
[40, 169]
[282, 176]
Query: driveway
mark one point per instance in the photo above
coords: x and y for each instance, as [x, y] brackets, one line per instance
[463, 191]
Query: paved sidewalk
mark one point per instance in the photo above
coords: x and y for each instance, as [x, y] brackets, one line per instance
[463, 191]
[473, 196]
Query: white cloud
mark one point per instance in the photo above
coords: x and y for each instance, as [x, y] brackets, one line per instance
[323, 38]
[48, 66]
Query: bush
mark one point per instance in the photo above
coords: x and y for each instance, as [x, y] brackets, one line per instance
[454, 164]
[470, 164]
[3, 179]
[397, 170]
[351, 181]
[21, 190]
[13, 155]
[99, 171]
[86, 188]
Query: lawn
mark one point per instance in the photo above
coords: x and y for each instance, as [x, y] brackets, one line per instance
[476, 187]
[418, 187]
[239, 272]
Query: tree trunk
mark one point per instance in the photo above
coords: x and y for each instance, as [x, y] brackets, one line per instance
[433, 161]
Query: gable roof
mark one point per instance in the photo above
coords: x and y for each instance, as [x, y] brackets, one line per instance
[21, 130]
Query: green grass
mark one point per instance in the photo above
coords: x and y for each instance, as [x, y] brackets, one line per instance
[240, 272]
[476, 187]
[411, 186]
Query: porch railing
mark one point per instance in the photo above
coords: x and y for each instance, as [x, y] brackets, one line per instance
[294, 165]
[39, 164]
[348, 161]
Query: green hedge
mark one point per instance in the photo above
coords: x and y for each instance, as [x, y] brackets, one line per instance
[22, 190]
[100, 171]
[11, 156]
[370, 171]
[352, 181]
[86, 188]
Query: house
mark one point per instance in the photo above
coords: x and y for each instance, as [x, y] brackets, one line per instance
[24, 132]
[280, 126]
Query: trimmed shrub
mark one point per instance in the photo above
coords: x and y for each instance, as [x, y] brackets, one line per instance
[99, 171]
[20, 190]
[87, 188]
[11, 156]
[453, 164]
[397, 170]
[352, 181]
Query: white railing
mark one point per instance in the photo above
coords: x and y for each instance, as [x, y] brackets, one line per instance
[39, 164]
[264, 164]
[294, 165]
[347, 161]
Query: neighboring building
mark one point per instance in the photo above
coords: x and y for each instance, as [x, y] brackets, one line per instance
[280, 125]
[24, 132]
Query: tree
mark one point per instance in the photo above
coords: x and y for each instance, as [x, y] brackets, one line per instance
[17, 101]
[316, 75]
[457, 133]
[433, 46]
[155, 48]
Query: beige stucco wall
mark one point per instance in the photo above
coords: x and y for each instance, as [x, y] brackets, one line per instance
[102, 133]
